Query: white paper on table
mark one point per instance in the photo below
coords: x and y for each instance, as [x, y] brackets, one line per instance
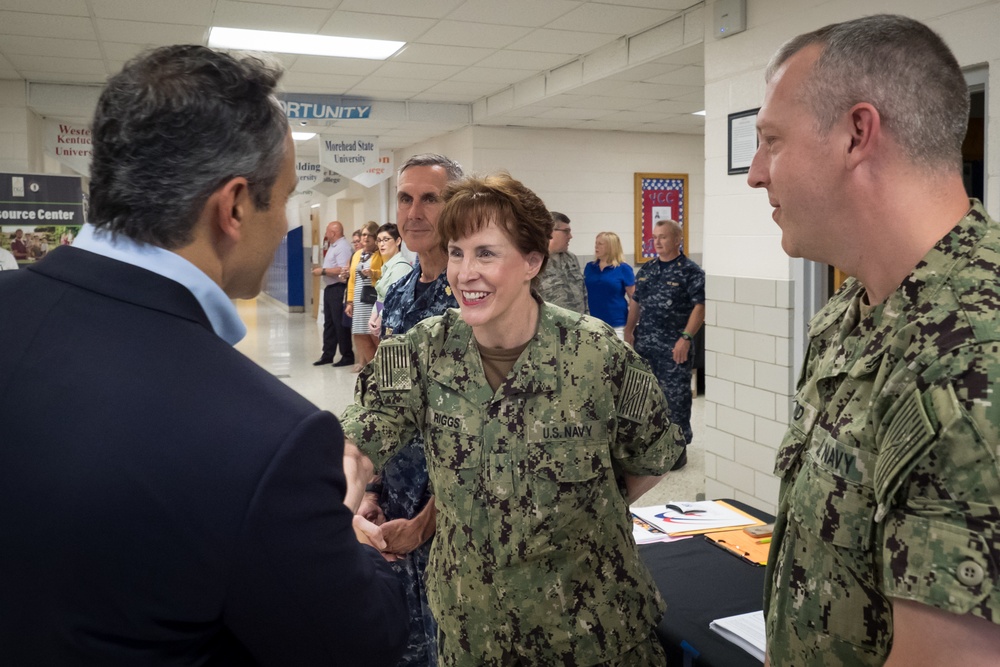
[744, 630]
[712, 517]
[642, 534]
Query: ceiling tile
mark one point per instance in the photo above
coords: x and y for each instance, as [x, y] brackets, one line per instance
[689, 75]
[514, 12]
[440, 97]
[644, 72]
[418, 70]
[460, 33]
[43, 25]
[596, 102]
[492, 74]
[576, 114]
[342, 66]
[57, 7]
[441, 55]
[257, 16]
[692, 55]
[47, 46]
[122, 51]
[667, 107]
[151, 33]
[470, 89]
[617, 20]
[328, 5]
[676, 5]
[526, 60]
[387, 84]
[652, 91]
[53, 64]
[305, 83]
[154, 11]
[375, 26]
[432, 9]
[62, 77]
[561, 41]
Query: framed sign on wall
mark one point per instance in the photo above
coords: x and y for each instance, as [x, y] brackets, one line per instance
[658, 197]
[742, 140]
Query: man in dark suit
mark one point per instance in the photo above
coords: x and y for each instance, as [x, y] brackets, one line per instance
[163, 500]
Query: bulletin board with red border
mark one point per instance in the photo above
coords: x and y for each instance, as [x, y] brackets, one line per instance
[658, 196]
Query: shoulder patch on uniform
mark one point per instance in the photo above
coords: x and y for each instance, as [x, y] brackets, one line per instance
[393, 365]
[904, 441]
[634, 395]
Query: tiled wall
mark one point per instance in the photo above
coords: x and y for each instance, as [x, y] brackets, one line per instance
[14, 130]
[749, 382]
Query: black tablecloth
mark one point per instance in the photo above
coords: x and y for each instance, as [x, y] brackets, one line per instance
[701, 583]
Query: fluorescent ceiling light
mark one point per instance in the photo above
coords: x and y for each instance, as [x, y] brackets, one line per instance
[698, 113]
[291, 42]
[303, 136]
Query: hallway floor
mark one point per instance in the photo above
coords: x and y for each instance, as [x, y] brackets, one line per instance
[286, 345]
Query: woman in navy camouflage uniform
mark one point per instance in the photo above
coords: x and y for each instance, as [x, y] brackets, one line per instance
[527, 454]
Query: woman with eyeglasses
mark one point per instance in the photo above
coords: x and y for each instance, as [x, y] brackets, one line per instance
[394, 266]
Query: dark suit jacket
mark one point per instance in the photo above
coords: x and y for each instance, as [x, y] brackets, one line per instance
[164, 500]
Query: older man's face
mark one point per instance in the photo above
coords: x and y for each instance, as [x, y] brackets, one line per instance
[418, 206]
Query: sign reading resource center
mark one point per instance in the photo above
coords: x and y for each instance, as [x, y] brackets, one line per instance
[36, 199]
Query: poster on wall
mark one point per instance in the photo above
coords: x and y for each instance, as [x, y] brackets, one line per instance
[658, 197]
[39, 212]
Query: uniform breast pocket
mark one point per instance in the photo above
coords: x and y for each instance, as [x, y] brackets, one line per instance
[829, 565]
[453, 461]
[567, 487]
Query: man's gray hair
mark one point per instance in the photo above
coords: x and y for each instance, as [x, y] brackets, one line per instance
[171, 128]
[899, 66]
[675, 227]
[452, 168]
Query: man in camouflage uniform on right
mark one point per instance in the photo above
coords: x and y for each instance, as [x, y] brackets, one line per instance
[886, 547]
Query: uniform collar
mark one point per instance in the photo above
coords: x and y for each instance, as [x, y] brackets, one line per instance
[535, 372]
[862, 354]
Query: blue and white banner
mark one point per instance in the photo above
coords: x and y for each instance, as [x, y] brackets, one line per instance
[300, 106]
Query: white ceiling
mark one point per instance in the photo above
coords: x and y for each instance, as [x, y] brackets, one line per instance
[632, 65]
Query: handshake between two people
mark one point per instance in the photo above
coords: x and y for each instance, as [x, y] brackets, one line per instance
[397, 537]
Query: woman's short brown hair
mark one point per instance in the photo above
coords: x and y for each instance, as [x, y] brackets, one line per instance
[474, 202]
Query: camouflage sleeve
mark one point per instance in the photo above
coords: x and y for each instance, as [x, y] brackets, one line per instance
[937, 482]
[646, 441]
[696, 285]
[386, 411]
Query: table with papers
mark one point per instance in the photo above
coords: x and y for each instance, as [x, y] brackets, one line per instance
[703, 583]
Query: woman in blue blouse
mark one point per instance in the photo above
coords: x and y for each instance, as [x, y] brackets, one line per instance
[609, 279]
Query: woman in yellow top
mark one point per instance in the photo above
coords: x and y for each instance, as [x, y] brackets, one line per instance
[366, 269]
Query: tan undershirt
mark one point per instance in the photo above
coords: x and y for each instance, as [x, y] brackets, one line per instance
[497, 363]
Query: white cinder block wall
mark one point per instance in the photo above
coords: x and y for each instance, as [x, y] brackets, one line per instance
[750, 288]
[14, 128]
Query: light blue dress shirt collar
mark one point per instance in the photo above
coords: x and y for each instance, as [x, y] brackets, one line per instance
[218, 307]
